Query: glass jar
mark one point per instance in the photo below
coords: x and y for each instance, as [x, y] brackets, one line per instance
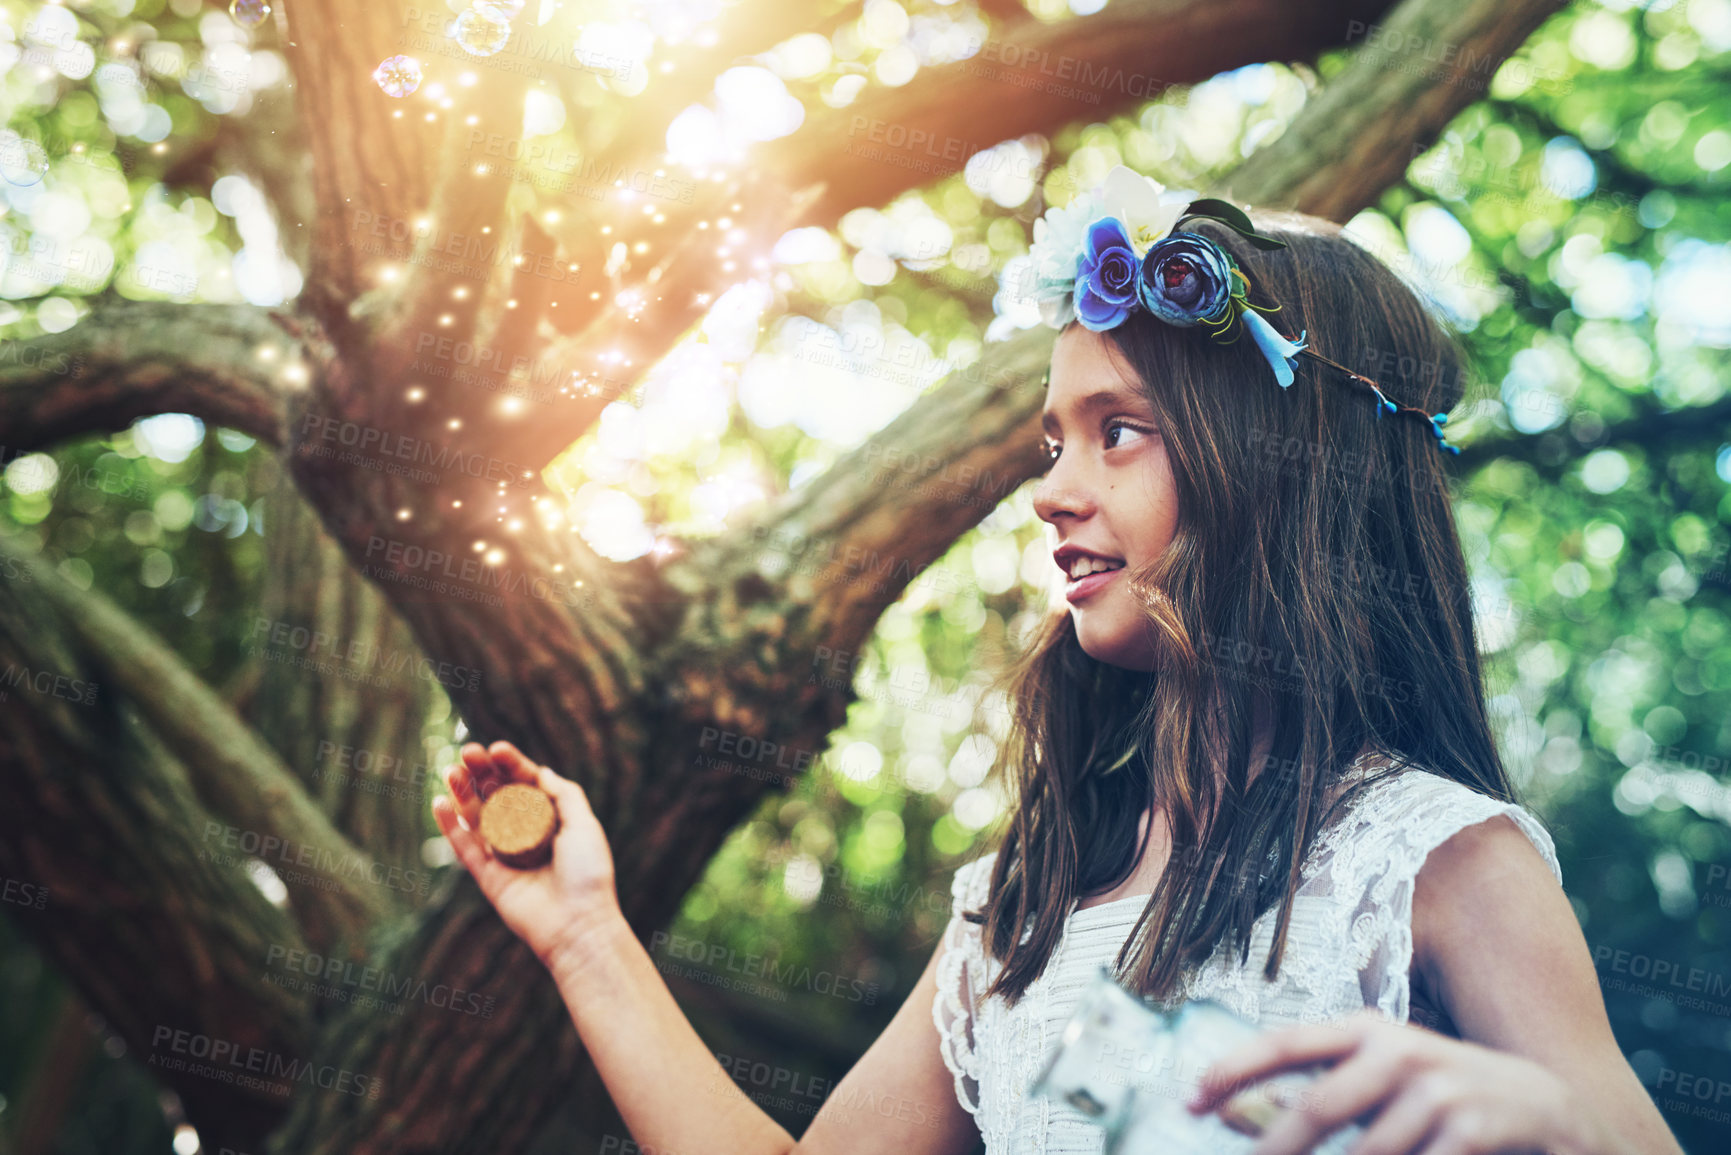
[1130, 1067]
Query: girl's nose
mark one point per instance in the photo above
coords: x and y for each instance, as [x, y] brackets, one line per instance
[1053, 496]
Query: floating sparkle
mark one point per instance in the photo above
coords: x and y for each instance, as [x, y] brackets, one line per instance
[248, 13]
[398, 75]
[506, 10]
[479, 32]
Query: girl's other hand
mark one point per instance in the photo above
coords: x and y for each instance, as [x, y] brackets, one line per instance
[1413, 1090]
[553, 907]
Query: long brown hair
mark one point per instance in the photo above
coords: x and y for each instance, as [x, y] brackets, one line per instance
[1315, 566]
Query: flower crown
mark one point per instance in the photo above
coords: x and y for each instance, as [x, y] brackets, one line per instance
[1112, 251]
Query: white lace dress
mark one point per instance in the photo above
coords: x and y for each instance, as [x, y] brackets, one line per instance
[1349, 946]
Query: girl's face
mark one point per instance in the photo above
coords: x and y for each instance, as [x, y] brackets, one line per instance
[1108, 493]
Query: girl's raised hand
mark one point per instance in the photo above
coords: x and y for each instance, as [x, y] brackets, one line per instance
[549, 908]
[1414, 1091]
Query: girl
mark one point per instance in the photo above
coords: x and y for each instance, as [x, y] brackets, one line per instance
[1251, 759]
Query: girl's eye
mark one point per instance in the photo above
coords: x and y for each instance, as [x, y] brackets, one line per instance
[1053, 449]
[1111, 425]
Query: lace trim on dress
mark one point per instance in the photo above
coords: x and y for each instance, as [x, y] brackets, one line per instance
[961, 962]
[1396, 832]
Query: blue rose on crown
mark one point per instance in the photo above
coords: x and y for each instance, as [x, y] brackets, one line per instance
[1112, 251]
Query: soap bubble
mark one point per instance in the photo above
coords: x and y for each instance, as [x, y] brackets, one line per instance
[398, 75]
[480, 32]
[23, 162]
[248, 13]
[501, 9]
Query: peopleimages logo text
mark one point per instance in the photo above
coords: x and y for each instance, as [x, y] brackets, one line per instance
[411, 558]
[387, 443]
[233, 1062]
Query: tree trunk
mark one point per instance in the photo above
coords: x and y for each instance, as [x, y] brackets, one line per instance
[353, 728]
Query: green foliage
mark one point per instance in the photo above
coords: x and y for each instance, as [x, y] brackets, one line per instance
[171, 531]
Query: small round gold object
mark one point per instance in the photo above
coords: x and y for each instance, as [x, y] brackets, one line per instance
[1248, 1112]
[518, 822]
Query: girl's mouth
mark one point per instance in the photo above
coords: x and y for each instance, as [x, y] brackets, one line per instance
[1075, 591]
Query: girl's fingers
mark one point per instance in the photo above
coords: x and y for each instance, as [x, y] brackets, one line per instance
[466, 843]
[471, 851]
[1356, 1086]
[483, 769]
[1403, 1126]
[491, 767]
[1270, 1053]
[483, 775]
[461, 784]
[513, 764]
[566, 794]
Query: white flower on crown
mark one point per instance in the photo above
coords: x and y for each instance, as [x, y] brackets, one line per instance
[1058, 239]
[1141, 204]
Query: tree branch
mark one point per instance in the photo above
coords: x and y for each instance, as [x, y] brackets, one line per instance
[235, 774]
[229, 365]
[893, 139]
[1552, 452]
[1039, 78]
[359, 151]
[1447, 56]
[131, 885]
[748, 28]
